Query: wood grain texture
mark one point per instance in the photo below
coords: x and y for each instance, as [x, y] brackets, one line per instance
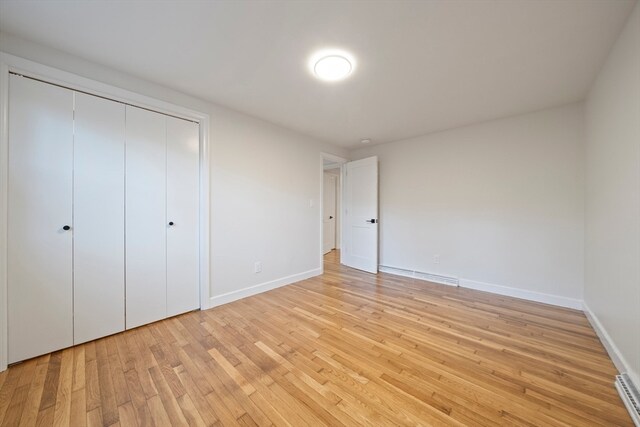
[344, 348]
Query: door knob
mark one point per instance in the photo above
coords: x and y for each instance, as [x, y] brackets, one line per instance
[66, 228]
[170, 222]
[330, 217]
[372, 221]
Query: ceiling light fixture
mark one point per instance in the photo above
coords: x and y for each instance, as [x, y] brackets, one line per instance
[365, 141]
[331, 65]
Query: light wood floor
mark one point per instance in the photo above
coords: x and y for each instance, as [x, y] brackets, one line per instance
[345, 348]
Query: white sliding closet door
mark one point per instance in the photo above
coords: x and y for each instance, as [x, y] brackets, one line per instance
[40, 310]
[182, 216]
[98, 217]
[146, 225]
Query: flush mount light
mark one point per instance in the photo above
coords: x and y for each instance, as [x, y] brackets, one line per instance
[365, 141]
[332, 65]
[331, 68]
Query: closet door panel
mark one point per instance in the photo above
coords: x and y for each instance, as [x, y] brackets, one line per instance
[146, 225]
[182, 209]
[40, 311]
[98, 217]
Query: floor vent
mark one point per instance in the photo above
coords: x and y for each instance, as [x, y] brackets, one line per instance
[429, 277]
[630, 396]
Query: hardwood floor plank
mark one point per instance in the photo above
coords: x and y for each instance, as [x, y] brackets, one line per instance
[92, 383]
[158, 411]
[14, 411]
[94, 418]
[78, 416]
[107, 393]
[17, 402]
[223, 413]
[167, 398]
[62, 413]
[50, 389]
[206, 412]
[32, 404]
[45, 417]
[117, 373]
[127, 415]
[79, 368]
[190, 412]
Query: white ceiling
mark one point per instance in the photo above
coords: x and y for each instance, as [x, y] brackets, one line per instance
[421, 66]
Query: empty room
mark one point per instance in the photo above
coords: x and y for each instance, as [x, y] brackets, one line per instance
[319, 213]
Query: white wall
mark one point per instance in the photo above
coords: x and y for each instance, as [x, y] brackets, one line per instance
[262, 179]
[500, 202]
[612, 278]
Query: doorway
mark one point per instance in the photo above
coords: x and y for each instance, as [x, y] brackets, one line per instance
[330, 210]
[331, 215]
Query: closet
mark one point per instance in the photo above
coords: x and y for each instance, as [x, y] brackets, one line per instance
[103, 213]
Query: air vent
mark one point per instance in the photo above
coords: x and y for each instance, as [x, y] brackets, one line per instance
[630, 396]
[429, 277]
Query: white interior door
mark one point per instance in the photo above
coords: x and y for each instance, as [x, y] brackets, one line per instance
[98, 218]
[183, 292]
[40, 308]
[146, 225]
[360, 219]
[329, 213]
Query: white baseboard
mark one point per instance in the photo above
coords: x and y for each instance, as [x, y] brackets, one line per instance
[420, 275]
[616, 356]
[523, 294]
[486, 287]
[217, 300]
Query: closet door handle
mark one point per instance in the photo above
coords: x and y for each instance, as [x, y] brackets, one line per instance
[170, 222]
[66, 228]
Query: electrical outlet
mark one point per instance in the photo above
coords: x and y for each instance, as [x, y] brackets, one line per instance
[436, 259]
[257, 267]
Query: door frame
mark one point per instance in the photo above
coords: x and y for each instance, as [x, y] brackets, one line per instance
[341, 161]
[14, 64]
